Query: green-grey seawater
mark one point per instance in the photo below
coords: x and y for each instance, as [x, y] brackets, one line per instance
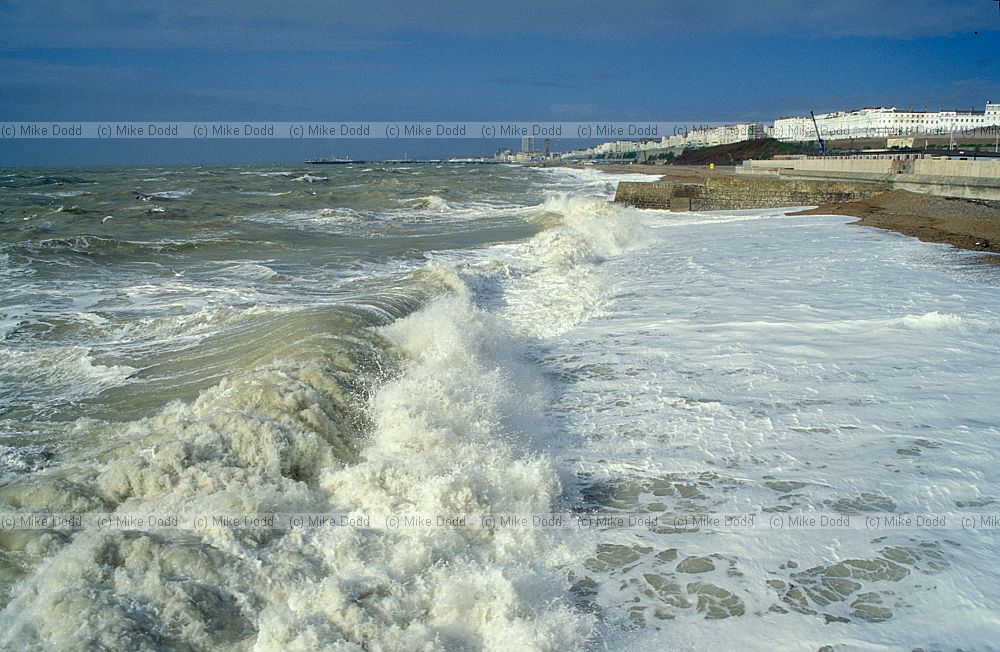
[125, 288]
[253, 339]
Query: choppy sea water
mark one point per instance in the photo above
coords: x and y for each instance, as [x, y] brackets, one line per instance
[446, 340]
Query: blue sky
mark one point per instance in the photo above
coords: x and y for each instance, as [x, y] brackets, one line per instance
[672, 60]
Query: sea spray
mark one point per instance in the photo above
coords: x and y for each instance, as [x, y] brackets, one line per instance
[448, 438]
[450, 433]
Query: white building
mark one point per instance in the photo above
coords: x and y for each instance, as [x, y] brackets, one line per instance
[723, 135]
[882, 122]
[793, 128]
[704, 137]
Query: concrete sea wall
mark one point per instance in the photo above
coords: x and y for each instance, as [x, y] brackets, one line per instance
[798, 182]
[973, 169]
[869, 166]
[945, 178]
[734, 193]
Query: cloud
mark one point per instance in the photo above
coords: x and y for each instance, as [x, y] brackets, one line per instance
[223, 25]
[361, 25]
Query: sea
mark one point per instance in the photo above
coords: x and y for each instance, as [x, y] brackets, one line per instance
[482, 407]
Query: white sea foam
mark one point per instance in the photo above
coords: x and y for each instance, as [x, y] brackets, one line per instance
[431, 202]
[445, 438]
[255, 271]
[751, 361]
[22, 459]
[61, 193]
[552, 282]
[588, 182]
[187, 327]
[335, 219]
[54, 375]
[172, 194]
[310, 178]
[279, 173]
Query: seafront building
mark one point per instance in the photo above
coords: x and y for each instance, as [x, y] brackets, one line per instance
[900, 127]
[722, 135]
[885, 122]
[696, 137]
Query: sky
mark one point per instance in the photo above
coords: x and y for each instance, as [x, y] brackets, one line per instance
[687, 61]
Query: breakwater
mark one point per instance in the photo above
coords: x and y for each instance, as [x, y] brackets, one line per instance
[736, 193]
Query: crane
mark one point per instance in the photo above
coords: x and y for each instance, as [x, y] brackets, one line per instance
[822, 143]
